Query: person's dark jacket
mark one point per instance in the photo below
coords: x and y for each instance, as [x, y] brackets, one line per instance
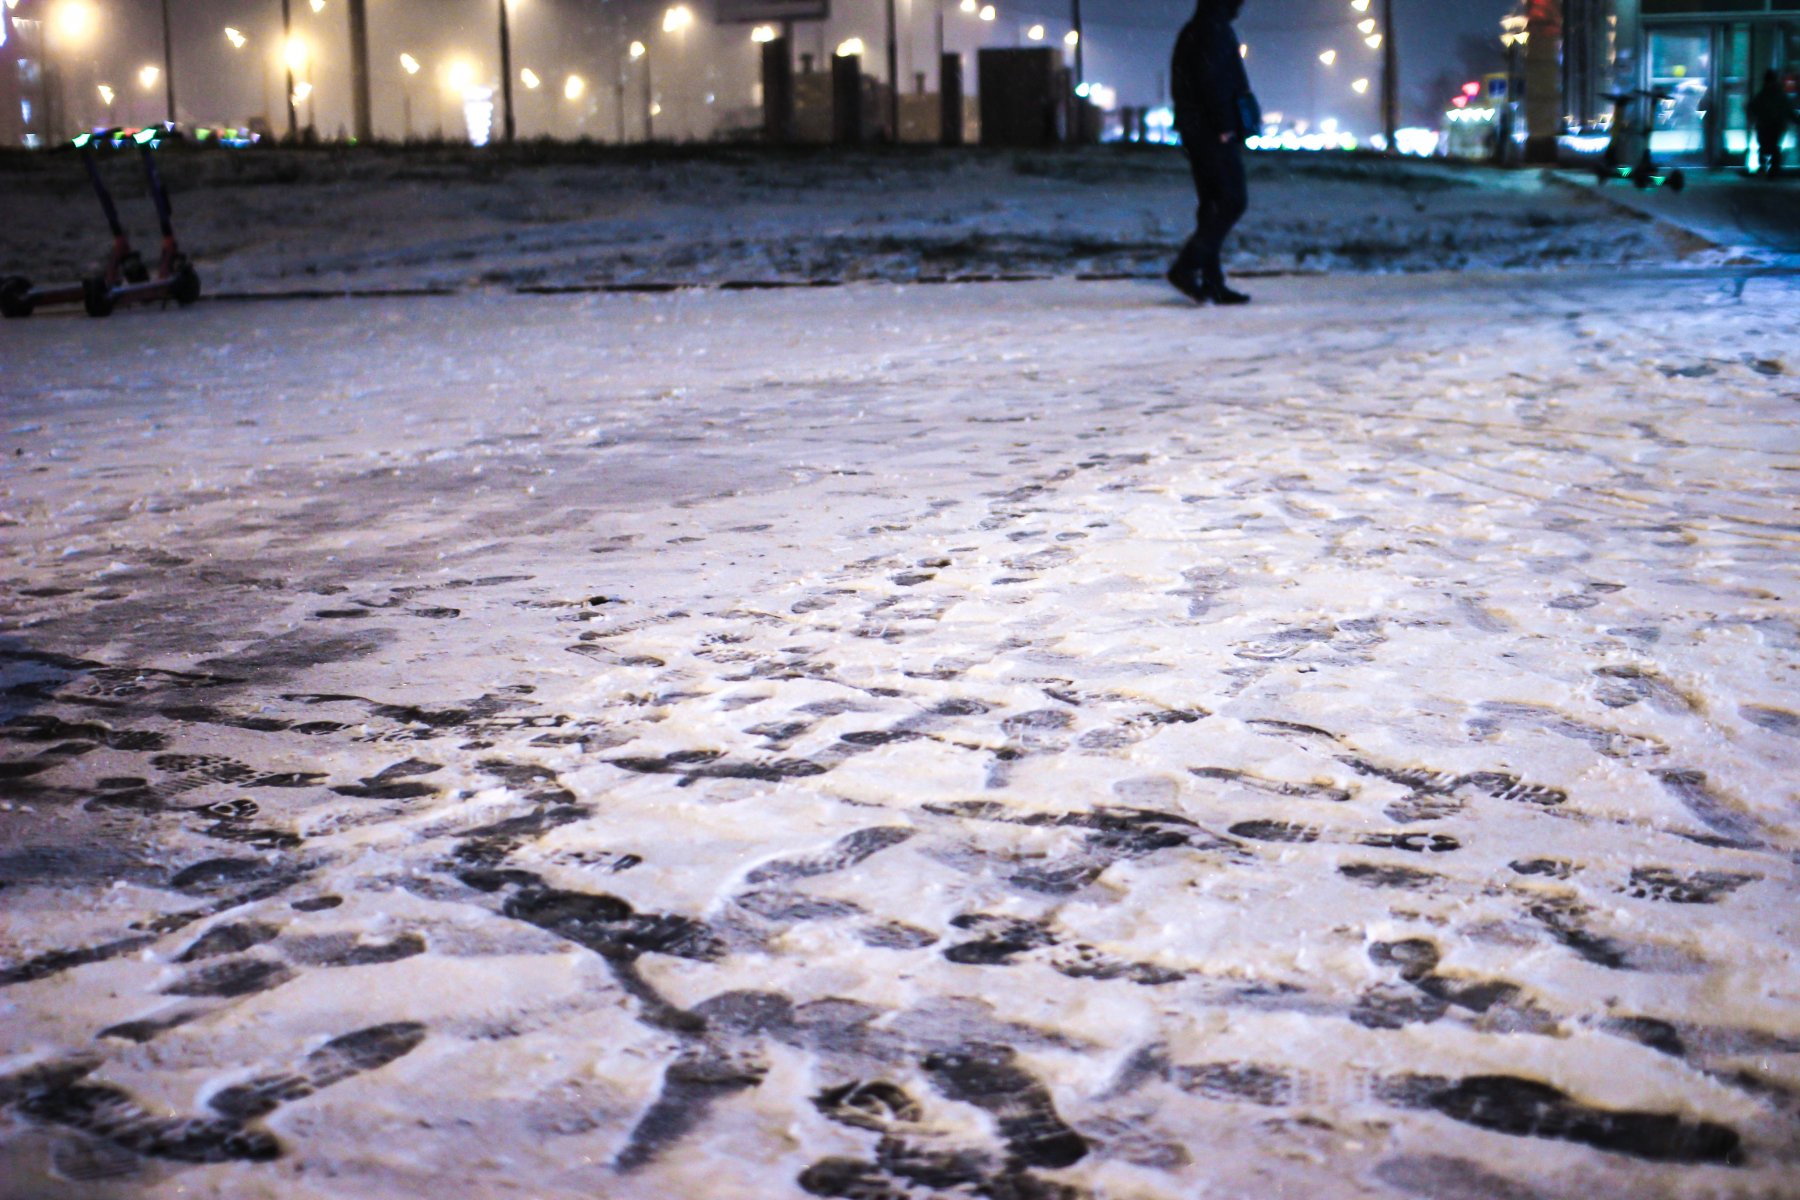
[1771, 109]
[1210, 86]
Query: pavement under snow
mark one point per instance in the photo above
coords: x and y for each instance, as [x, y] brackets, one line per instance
[1020, 740]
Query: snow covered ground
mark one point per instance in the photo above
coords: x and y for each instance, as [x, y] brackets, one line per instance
[1022, 740]
[275, 221]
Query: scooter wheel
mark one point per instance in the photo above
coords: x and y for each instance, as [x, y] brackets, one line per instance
[96, 296]
[133, 269]
[1676, 181]
[185, 287]
[15, 297]
[1640, 179]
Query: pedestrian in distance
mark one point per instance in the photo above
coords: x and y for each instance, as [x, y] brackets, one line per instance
[1771, 112]
[1215, 110]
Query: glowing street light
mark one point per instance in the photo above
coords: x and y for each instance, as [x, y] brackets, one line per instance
[677, 19]
[1373, 41]
[459, 76]
[73, 22]
[1360, 5]
[302, 90]
[638, 51]
[1360, 87]
[106, 95]
[236, 38]
[1366, 27]
[530, 79]
[1329, 57]
[988, 12]
[148, 76]
[1072, 39]
[1035, 33]
[574, 87]
[318, 6]
[295, 53]
[763, 33]
[409, 64]
[850, 48]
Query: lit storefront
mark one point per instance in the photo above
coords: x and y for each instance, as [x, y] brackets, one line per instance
[1704, 59]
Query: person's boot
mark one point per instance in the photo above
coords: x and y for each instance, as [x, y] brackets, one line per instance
[1182, 278]
[1215, 291]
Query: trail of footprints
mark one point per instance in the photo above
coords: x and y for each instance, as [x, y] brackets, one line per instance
[263, 920]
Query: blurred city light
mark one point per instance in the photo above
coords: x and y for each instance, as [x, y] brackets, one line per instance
[318, 6]
[302, 90]
[850, 48]
[988, 13]
[148, 76]
[236, 39]
[763, 33]
[1329, 57]
[409, 64]
[530, 79]
[1373, 41]
[1035, 33]
[637, 50]
[677, 19]
[1072, 39]
[460, 76]
[573, 87]
[73, 22]
[106, 95]
[296, 53]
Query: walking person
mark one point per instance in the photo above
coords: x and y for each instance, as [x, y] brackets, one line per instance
[1215, 111]
[1771, 112]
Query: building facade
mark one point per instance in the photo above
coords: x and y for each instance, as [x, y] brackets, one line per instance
[1701, 59]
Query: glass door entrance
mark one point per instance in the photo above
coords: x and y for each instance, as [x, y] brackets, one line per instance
[1681, 75]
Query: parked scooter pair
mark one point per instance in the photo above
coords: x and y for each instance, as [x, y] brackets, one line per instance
[125, 279]
[1628, 150]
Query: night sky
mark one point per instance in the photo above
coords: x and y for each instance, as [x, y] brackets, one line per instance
[1127, 48]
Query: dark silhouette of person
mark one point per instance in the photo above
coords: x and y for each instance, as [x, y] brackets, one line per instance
[1771, 112]
[1215, 111]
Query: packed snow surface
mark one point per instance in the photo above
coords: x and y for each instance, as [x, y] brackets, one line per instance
[1027, 740]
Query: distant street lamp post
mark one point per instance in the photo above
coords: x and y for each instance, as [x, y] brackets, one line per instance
[287, 58]
[1080, 41]
[409, 67]
[1390, 76]
[508, 128]
[893, 71]
[678, 21]
[639, 51]
[168, 72]
[575, 92]
[362, 105]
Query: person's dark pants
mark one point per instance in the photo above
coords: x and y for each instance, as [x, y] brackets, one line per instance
[1768, 145]
[1218, 169]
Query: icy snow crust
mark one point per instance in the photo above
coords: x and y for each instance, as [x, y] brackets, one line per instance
[1031, 740]
[272, 221]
